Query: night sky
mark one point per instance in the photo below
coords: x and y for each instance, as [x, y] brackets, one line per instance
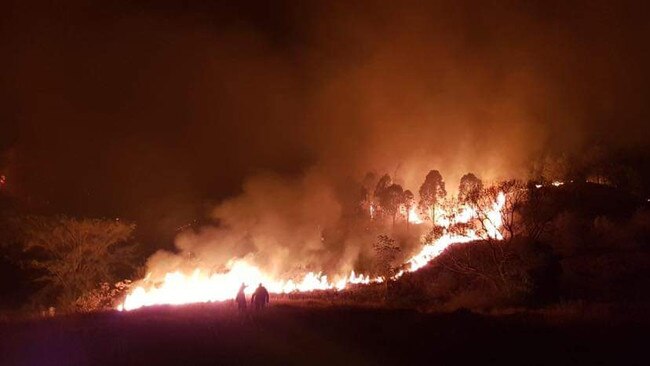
[155, 111]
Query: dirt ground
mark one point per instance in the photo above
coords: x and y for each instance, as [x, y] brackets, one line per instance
[214, 334]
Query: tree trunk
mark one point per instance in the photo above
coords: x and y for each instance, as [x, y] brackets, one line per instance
[408, 219]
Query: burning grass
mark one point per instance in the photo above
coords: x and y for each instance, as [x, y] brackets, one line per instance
[455, 222]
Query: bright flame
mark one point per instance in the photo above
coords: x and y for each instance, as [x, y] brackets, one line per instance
[492, 223]
[414, 218]
[411, 215]
[177, 288]
[200, 286]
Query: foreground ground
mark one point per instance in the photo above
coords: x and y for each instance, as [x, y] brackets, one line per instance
[214, 334]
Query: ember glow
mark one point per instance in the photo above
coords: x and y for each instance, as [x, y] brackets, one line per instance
[202, 286]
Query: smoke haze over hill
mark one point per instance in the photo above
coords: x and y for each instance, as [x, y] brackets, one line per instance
[156, 110]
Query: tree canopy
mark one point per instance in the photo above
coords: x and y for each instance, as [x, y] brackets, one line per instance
[74, 256]
[431, 192]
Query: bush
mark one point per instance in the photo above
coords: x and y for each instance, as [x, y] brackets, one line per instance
[482, 275]
[603, 257]
[70, 256]
[104, 297]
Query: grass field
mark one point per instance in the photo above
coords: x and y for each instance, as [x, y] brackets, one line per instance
[296, 334]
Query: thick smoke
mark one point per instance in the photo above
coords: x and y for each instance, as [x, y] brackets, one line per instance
[169, 104]
[287, 227]
[460, 88]
[278, 221]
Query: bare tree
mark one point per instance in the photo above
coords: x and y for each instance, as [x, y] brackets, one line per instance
[497, 210]
[524, 210]
[495, 264]
[501, 213]
[76, 255]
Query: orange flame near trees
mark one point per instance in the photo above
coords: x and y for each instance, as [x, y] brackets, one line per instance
[178, 288]
[201, 286]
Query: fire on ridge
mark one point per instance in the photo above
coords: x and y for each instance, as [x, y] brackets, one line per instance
[178, 288]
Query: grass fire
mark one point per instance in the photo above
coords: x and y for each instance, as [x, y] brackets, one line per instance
[454, 221]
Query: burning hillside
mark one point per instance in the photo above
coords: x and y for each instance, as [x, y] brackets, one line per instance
[301, 237]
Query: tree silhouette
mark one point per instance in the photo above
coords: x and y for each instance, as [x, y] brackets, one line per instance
[386, 252]
[382, 185]
[431, 192]
[409, 202]
[391, 199]
[470, 188]
[76, 255]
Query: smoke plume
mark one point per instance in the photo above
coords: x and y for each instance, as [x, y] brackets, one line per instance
[277, 109]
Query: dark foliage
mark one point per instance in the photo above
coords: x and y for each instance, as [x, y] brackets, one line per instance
[482, 275]
[577, 242]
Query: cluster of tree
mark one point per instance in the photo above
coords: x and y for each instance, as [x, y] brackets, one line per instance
[383, 201]
[390, 200]
[552, 243]
[577, 242]
[625, 169]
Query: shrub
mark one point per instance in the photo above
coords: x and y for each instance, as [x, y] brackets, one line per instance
[72, 255]
[103, 297]
[481, 275]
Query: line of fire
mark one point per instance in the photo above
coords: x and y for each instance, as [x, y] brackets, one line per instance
[324, 182]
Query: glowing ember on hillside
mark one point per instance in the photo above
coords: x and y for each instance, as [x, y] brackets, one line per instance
[202, 286]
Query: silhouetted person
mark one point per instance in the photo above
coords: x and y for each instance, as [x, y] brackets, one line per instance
[241, 299]
[260, 297]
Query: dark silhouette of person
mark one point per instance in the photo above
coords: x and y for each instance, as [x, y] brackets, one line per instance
[240, 299]
[260, 297]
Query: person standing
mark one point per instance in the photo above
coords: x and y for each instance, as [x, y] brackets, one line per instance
[260, 297]
[240, 299]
